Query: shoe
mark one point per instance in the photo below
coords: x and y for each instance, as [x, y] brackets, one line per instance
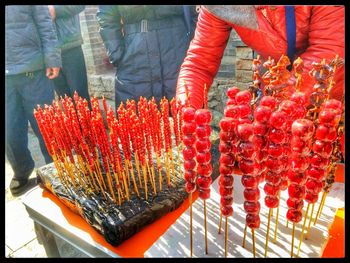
[18, 186]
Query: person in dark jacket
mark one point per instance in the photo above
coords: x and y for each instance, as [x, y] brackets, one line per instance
[147, 45]
[32, 58]
[72, 76]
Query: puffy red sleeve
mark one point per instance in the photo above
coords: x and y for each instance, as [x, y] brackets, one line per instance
[326, 39]
[203, 58]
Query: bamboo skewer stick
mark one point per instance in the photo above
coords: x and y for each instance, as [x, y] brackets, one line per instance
[220, 222]
[244, 236]
[293, 234]
[320, 207]
[191, 237]
[253, 237]
[276, 224]
[308, 228]
[226, 236]
[145, 180]
[172, 163]
[205, 227]
[133, 179]
[167, 168]
[302, 230]
[152, 180]
[159, 173]
[138, 169]
[267, 231]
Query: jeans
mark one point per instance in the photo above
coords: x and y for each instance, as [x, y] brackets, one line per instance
[72, 75]
[23, 93]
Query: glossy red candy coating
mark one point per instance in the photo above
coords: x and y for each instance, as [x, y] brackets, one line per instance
[261, 177]
[299, 163]
[190, 175]
[275, 150]
[189, 164]
[315, 173]
[243, 97]
[274, 164]
[251, 194]
[202, 116]
[188, 152]
[244, 110]
[227, 159]
[203, 131]
[277, 136]
[296, 191]
[227, 136]
[226, 200]
[253, 220]
[268, 101]
[333, 104]
[226, 180]
[260, 128]
[294, 215]
[204, 182]
[273, 178]
[188, 127]
[203, 157]
[231, 92]
[298, 178]
[204, 169]
[278, 119]
[311, 198]
[251, 207]
[227, 124]
[261, 156]
[271, 189]
[262, 114]
[300, 146]
[329, 116]
[204, 193]
[224, 191]
[249, 181]
[190, 187]
[203, 144]
[225, 169]
[313, 186]
[247, 166]
[246, 149]
[225, 147]
[189, 139]
[243, 121]
[231, 111]
[296, 204]
[284, 184]
[288, 107]
[245, 131]
[226, 210]
[299, 112]
[325, 133]
[299, 98]
[303, 128]
[259, 142]
[317, 161]
[271, 201]
[188, 114]
[230, 102]
[322, 148]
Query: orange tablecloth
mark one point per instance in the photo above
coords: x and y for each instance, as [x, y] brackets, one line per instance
[138, 244]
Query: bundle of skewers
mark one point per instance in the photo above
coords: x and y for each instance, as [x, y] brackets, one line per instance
[277, 139]
[117, 155]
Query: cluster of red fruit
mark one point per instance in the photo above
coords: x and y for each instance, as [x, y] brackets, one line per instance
[325, 135]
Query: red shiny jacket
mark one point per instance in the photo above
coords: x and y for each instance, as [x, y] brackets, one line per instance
[319, 34]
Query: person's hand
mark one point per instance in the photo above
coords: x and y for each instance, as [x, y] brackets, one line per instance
[52, 11]
[52, 73]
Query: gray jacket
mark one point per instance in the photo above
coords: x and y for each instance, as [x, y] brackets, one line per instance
[30, 39]
[68, 25]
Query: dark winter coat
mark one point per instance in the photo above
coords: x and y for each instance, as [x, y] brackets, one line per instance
[147, 62]
[30, 39]
[68, 25]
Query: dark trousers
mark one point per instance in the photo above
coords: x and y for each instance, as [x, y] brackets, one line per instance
[72, 75]
[23, 93]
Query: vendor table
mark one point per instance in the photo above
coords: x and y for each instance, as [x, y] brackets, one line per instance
[169, 236]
